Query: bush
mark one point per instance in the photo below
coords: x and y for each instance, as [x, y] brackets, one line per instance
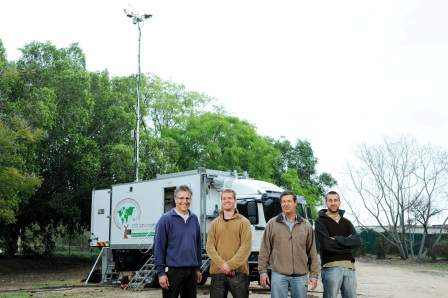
[381, 247]
[441, 249]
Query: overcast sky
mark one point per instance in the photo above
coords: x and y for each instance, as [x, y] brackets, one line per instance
[336, 73]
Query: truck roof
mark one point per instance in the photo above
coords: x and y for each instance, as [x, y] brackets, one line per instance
[252, 187]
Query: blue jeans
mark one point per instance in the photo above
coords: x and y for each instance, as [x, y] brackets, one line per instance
[281, 282]
[339, 278]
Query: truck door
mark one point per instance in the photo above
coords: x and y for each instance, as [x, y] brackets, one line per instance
[100, 218]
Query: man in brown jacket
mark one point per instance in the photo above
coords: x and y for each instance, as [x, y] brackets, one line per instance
[229, 243]
[289, 246]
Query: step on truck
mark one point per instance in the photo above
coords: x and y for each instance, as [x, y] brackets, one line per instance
[124, 218]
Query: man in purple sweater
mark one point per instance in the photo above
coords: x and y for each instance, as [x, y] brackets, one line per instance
[177, 248]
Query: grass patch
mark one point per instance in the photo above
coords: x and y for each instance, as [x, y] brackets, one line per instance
[440, 266]
[14, 295]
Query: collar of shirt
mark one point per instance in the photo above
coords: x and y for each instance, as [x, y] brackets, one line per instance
[290, 224]
[336, 217]
[184, 216]
[285, 218]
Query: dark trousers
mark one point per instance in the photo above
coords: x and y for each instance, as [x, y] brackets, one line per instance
[182, 282]
[221, 284]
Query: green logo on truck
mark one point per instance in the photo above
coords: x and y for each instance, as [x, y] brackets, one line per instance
[127, 218]
[125, 213]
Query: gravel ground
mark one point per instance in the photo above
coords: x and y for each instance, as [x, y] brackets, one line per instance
[375, 279]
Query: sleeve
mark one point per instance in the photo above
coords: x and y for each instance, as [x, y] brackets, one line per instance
[160, 245]
[313, 260]
[199, 244]
[243, 253]
[351, 241]
[211, 245]
[265, 250]
[326, 243]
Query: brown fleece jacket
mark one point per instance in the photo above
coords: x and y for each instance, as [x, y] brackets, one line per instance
[289, 252]
[229, 241]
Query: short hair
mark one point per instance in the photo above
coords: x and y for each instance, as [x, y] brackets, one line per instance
[288, 193]
[332, 192]
[183, 188]
[229, 190]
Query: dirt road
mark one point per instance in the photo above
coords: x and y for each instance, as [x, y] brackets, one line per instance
[379, 280]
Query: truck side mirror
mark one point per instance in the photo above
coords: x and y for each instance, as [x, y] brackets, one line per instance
[252, 212]
[308, 212]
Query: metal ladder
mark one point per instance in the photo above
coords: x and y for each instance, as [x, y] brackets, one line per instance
[205, 263]
[144, 276]
[107, 266]
[108, 275]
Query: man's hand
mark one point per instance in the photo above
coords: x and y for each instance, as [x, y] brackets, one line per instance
[264, 280]
[225, 268]
[163, 282]
[198, 276]
[312, 283]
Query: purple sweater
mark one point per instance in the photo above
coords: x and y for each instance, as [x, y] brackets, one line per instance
[177, 243]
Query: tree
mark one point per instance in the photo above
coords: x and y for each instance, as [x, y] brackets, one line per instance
[170, 104]
[50, 91]
[223, 142]
[16, 184]
[432, 175]
[392, 179]
[3, 59]
[112, 121]
[295, 169]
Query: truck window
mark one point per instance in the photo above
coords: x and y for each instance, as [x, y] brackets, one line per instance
[271, 208]
[168, 199]
[248, 208]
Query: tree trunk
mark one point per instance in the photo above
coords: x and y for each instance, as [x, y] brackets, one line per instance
[422, 246]
[402, 251]
[11, 236]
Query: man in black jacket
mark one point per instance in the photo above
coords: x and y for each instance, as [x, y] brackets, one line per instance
[337, 238]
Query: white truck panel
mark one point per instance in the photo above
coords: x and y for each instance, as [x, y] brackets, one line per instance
[100, 219]
[135, 213]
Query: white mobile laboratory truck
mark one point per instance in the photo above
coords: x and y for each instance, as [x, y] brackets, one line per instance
[124, 217]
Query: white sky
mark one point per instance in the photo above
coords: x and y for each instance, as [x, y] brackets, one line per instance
[337, 73]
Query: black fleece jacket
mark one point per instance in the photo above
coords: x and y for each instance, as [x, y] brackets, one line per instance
[337, 240]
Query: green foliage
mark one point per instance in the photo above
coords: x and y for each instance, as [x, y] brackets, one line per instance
[296, 170]
[65, 131]
[3, 59]
[441, 249]
[223, 142]
[170, 104]
[16, 184]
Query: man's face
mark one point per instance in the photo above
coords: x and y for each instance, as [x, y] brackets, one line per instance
[288, 204]
[333, 202]
[227, 201]
[183, 201]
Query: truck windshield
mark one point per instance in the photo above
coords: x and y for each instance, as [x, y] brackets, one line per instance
[272, 207]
